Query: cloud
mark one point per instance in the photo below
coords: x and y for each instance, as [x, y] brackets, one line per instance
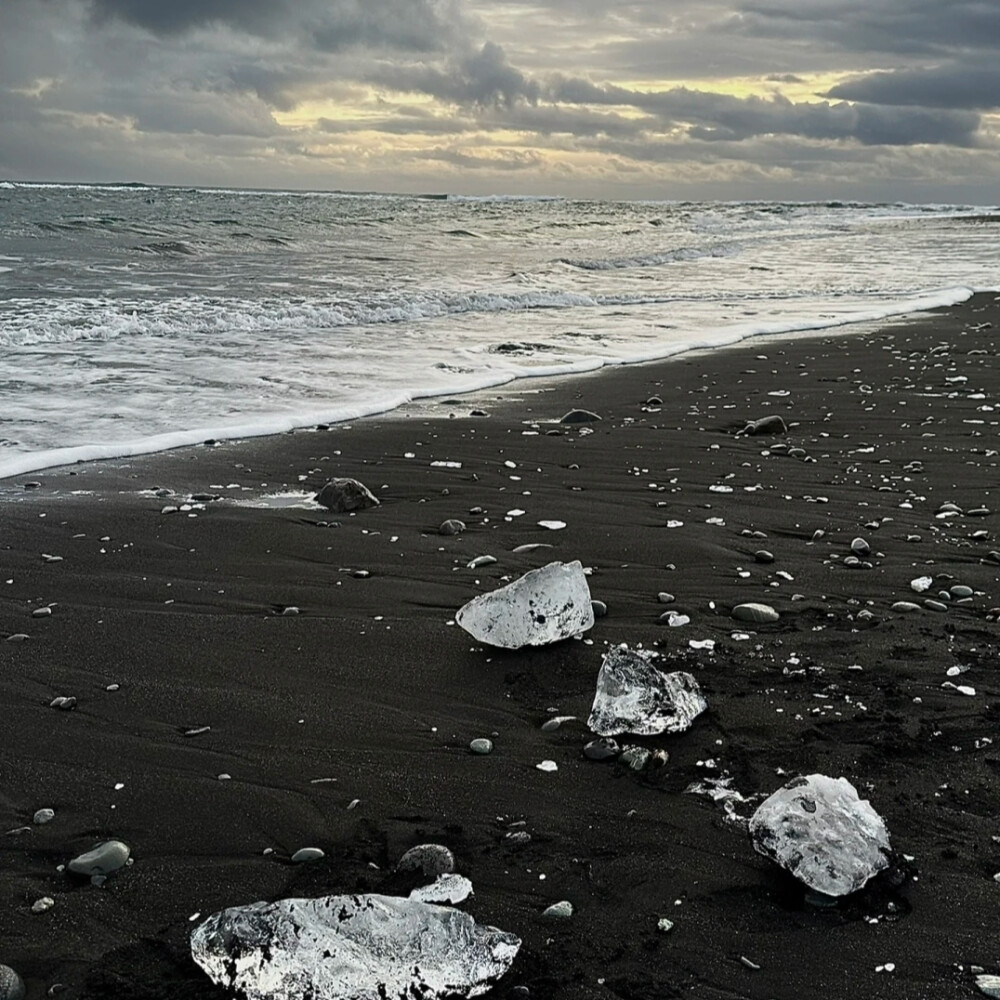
[949, 86]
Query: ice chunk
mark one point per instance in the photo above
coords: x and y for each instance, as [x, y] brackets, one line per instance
[818, 829]
[449, 888]
[352, 948]
[543, 606]
[633, 696]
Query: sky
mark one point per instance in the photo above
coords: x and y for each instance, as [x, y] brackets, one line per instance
[875, 100]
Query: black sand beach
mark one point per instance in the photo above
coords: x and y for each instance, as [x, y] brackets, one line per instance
[372, 687]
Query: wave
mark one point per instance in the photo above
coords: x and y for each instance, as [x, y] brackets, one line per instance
[260, 425]
[650, 260]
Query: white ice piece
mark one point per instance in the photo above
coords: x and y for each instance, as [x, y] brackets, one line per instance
[823, 833]
[351, 947]
[545, 605]
[448, 888]
[633, 696]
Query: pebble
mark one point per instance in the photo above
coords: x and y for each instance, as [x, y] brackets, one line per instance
[578, 416]
[905, 607]
[481, 561]
[674, 620]
[759, 613]
[960, 590]
[429, 859]
[11, 984]
[933, 605]
[43, 904]
[603, 748]
[481, 746]
[860, 547]
[102, 860]
[763, 556]
[664, 598]
[818, 534]
[451, 527]
[600, 609]
[308, 854]
[41, 612]
[562, 910]
[63, 703]
[43, 816]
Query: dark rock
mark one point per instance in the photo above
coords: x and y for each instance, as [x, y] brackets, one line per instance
[579, 417]
[429, 859]
[344, 495]
[451, 527]
[773, 424]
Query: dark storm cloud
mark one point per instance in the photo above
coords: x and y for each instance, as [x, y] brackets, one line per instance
[951, 86]
[904, 27]
[326, 25]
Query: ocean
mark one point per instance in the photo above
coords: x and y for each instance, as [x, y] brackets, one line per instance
[135, 319]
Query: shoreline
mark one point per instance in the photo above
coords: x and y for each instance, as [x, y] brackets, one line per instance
[27, 463]
[371, 693]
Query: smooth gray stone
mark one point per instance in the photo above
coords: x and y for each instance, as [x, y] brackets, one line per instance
[11, 984]
[43, 816]
[481, 746]
[634, 696]
[544, 606]
[664, 598]
[763, 556]
[562, 910]
[451, 527]
[603, 748]
[429, 859]
[905, 607]
[344, 495]
[579, 417]
[104, 859]
[480, 561]
[773, 424]
[760, 614]
[960, 590]
[600, 609]
[860, 547]
[818, 829]
[304, 854]
[351, 947]
[933, 605]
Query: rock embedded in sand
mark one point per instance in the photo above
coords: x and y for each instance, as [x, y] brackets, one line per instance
[562, 910]
[760, 614]
[579, 417]
[451, 527]
[345, 495]
[818, 829]
[428, 859]
[362, 947]
[603, 748]
[43, 816]
[103, 859]
[481, 746]
[763, 556]
[545, 605]
[773, 424]
[304, 854]
[634, 696]
[11, 984]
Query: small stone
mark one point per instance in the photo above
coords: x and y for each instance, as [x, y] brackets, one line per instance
[63, 703]
[773, 424]
[562, 910]
[665, 925]
[41, 612]
[933, 605]
[600, 609]
[860, 547]
[481, 746]
[960, 591]
[579, 417]
[431, 860]
[818, 534]
[11, 984]
[308, 854]
[603, 748]
[481, 561]
[43, 816]
[763, 556]
[905, 607]
[760, 614]
[664, 598]
[104, 859]
[451, 527]
[345, 495]
[43, 904]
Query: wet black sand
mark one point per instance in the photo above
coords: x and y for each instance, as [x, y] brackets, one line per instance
[372, 685]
